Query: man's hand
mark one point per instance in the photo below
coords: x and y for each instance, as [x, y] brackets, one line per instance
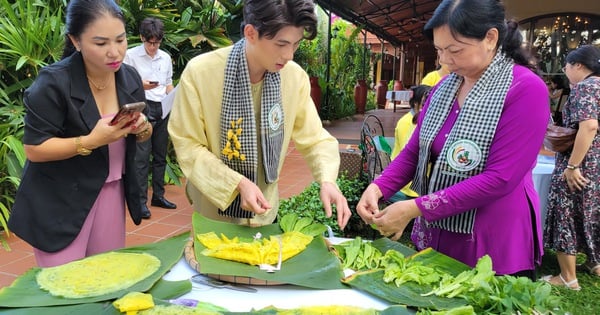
[252, 197]
[331, 194]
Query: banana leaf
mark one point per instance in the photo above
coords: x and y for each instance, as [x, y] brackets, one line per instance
[25, 292]
[315, 267]
[162, 290]
[384, 244]
[431, 257]
[409, 293]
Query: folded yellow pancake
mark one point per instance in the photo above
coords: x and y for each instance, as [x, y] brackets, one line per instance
[133, 302]
[97, 275]
[255, 252]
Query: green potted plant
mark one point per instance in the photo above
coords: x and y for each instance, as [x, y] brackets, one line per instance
[309, 57]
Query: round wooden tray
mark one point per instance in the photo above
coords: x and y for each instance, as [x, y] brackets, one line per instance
[190, 258]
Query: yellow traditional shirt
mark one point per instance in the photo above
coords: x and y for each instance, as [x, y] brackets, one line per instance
[402, 133]
[431, 78]
[195, 130]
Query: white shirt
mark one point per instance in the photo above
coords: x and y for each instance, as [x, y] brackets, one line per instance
[159, 68]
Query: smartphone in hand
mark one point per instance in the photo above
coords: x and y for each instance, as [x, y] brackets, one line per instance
[153, 82]
[126, 110]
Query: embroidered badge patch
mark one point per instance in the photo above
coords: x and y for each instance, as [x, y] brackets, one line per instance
[275, 117]
[464, 155]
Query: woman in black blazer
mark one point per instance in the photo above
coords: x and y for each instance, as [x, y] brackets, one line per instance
[80, 169]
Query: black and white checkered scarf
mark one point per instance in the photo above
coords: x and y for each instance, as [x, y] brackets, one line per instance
[467, 147]
[237, 103]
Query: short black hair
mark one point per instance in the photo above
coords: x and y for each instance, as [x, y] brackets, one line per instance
[270, 16]
[152, 27]
[559, 81]
[419, 92]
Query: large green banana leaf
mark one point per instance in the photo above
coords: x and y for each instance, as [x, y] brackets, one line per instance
[384, 244]
[25, 292]
[162, 290]
[315, 267]
[409, 293]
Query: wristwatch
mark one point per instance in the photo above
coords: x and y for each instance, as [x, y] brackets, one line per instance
[80, 149]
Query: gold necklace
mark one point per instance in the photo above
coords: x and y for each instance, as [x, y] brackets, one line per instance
[98, 87]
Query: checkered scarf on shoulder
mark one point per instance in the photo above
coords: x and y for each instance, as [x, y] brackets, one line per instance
[237, 103]
[476, 123]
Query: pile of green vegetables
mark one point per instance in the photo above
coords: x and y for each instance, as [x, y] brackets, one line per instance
[481, 291]
[305, 225]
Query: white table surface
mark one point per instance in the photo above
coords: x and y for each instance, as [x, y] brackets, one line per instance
[542, 175]
[399, 95]
[280, 296]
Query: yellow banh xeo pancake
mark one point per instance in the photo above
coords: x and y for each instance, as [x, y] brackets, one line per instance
[97, 275]
[254, 252]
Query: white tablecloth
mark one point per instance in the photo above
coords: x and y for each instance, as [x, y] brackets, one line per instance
[542, 173]
[281, 296]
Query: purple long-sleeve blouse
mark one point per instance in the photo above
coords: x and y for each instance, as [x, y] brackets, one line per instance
[507, 224]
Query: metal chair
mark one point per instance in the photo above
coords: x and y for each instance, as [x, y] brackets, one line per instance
[374, 159]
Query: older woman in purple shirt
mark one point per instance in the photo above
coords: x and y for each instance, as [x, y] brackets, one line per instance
[474, 148]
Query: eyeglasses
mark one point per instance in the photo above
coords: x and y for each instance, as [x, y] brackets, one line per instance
[156, 43]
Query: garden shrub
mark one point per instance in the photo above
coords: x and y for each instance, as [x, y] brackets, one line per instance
[308, 204]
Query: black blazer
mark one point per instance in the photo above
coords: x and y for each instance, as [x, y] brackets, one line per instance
[55, 197]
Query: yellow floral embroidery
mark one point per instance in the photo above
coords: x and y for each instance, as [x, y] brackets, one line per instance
[233, 151]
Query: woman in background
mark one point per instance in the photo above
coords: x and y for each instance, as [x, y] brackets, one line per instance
[404, 130]
[573, 222]
[433, 77]
[556, 90]
[80, 169]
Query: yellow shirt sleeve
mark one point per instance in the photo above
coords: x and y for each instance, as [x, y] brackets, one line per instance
[432, 78]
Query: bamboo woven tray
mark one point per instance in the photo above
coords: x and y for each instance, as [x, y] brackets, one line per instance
[190, 258]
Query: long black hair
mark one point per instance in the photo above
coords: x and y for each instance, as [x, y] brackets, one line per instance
[82, 13]
[474, 18]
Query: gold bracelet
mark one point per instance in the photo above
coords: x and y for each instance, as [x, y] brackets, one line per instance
[80, 149]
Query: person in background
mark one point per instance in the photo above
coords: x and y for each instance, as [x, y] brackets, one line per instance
[556, 90]
[474, 148]
[80, 169]
[236, 111]
[156, 69]
[433, 77]
[573, 220]
[404, 129]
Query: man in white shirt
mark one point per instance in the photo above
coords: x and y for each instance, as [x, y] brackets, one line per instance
[156, 69]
